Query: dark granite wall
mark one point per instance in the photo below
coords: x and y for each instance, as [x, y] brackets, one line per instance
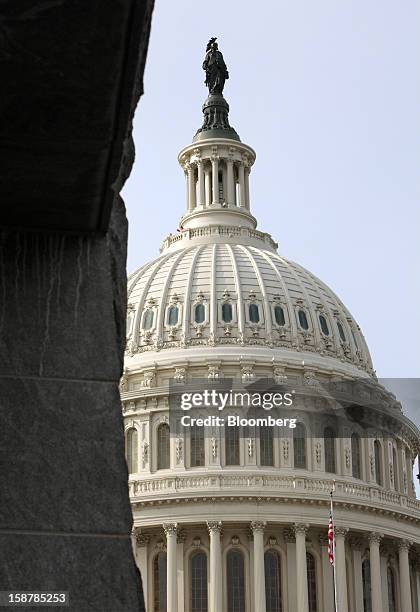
[65, 516]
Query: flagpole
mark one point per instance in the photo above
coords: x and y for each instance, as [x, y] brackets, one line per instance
[333, 541]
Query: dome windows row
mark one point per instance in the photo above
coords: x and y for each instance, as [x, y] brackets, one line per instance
[253, 314]
[362, 459]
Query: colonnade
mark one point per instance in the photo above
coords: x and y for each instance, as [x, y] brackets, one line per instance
[296, 541]
[217, 182]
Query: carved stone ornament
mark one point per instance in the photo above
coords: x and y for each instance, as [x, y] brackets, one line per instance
[214, 448]
[340, 532]
[250, 446]
[372, 464]
[272, 541]
[214, 526]
[279, 376]
[161, 546]
[142, 539]
[180, 375]
[348, 457]
[149, 379]
[145, 453]
[196, 542]
[258, 526]
[235, 540]
[247, 373]
[213, 372]
[178, 449]
[310, 379]
[300, 528]
[318, 452]
[286, 445]
[375, 537]
[170, 529]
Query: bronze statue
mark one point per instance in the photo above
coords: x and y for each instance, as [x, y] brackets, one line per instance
[215, 67]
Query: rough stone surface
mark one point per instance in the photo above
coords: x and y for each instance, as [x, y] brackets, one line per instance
[66, 134]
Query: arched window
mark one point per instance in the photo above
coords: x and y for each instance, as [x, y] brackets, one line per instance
[341, 331]
[367, 596]
[329, 450]
[355, 456]
[324, 325]
[199, 313]
[254, 313]
[159, 582]
[232, 445]
[299, 446]
[132, 450]
[279, 315]
[148, 319]
[266, 446]
[378, 462]
[311, 577]
[392, 598]
[173, 313]
[227, 313]
[163, 452]
[197, 445]
[272, 581]
[199, 600]
[303, 319]
[235, 581]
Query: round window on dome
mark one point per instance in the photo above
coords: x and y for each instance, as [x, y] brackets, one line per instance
[279, 315]
[254, 313]
[199, 313]
[324, 325]
[148, 319]
[227, 313]
[173, 315]
[303, 319]
[341, 331]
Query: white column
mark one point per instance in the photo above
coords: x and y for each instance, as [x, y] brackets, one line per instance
[171, 570]
[356, 554]
[259, 575]
[417, 577]
[207, 185]
[340, 568]
[241, 178]
[290, 539]
[201, 186]
[384, 579]
[404, 566]
[215, 179]
[247, 199]
[230, 183]
[191, 188]
[215, 595]
[181, 536]
[141, 542]
[327, 575]
[301, 570]
[375, 571]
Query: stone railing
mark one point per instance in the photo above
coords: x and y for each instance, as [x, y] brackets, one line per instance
[226, 231]
[201, 485]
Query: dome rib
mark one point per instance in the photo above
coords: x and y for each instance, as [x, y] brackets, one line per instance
[213, 298]
[163, 299]
[240, 304]
[290, 305]
[187, 298]
[267, 308]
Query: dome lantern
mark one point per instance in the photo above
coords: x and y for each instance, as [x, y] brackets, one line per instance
[217, 164]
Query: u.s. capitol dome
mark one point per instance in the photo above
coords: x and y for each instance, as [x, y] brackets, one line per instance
[237, 522]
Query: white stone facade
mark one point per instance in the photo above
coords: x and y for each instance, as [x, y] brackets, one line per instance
[220, 302]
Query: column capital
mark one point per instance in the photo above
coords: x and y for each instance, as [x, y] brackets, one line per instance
[300, 529]
[214, 527]
[258, 526]
[404, 545]
[356, 542]
[340, 532]
[374, 537]
[289, 535]
[142, 539]
[170, 529]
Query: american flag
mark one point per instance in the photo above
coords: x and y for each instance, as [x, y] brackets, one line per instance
[331, 540]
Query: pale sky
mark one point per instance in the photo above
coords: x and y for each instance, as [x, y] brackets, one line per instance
[328, 94]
